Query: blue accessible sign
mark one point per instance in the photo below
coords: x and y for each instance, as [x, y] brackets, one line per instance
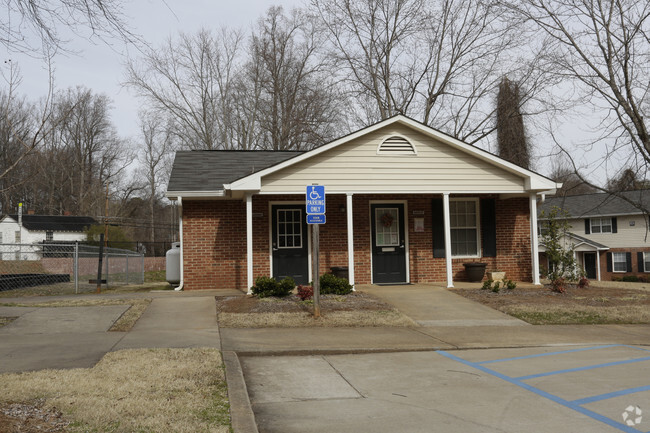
[315, 204]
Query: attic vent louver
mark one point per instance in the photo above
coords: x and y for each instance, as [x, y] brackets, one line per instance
[396, 145]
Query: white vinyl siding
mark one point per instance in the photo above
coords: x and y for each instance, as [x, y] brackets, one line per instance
[626, 236]
[619, 262]
[463, 216]
[356, 167]
[601, 225]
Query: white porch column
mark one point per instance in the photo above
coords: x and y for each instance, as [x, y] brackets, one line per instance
[249, 241]
[597, 265]
[534, 250]
[348, 207]
[445, 211]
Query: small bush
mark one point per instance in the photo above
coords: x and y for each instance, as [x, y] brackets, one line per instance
[266, 286]
[509, 284]
[558, 285]
[487, 284]
[496, 287]
[305, 292]
[630, 279]
[333, 285]
[616, 278]
[583, 283]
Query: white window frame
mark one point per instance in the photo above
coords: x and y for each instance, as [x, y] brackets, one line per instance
[293, 235]
[477, 226]
[49, 235]
[646, 262]
[598, 228]
[395, 224]
[614, 262]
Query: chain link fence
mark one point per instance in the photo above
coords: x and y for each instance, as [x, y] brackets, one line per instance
[73, 264]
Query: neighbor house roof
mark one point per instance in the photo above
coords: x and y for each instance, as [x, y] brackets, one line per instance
[56, 223]
[209, 170]
[599, 204]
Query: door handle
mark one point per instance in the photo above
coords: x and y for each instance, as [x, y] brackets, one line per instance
[275, 248]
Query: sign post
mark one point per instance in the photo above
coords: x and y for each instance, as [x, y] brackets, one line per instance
[315, 206]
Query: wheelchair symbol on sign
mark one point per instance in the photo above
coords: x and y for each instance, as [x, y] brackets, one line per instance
[313, 195]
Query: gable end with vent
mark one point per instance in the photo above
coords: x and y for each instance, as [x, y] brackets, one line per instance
[396, 145]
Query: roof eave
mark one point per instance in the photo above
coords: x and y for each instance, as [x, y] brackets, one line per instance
[173, 195]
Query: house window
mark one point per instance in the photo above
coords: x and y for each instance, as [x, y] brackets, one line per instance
[49, 236]
[619, 262]
[17, 236]
[601, 225]
[0, 237]
[387, 227]
[463, 216]
[646, 262]
[289, 228]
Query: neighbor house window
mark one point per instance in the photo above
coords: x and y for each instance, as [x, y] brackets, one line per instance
[49, 236]
[463, 216]
[646, 262]
[619, 262]
[601, 225]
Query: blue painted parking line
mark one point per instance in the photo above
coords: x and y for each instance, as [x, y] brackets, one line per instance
[614, 394]
[589, 367]
[569, 404]
[516, 358]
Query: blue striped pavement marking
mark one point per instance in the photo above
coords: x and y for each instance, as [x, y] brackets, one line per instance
[589, 367]
[516, 358]
[569, 404]
[613, 394]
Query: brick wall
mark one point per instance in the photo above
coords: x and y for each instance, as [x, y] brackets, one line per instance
[214, 235]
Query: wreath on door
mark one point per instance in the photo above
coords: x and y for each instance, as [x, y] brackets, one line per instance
[387, 219]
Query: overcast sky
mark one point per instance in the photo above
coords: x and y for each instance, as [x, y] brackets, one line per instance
[101, 68]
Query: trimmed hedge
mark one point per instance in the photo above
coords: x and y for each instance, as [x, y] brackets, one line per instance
[333, 285]
[266, 286]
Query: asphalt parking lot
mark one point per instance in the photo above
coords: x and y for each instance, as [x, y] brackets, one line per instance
[588, 388]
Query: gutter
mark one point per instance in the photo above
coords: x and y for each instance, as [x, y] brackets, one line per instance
[180, 231]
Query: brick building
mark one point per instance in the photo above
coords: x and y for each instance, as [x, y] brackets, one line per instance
[399, 196]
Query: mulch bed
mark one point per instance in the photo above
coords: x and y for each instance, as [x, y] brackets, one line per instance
[292, 304]
[31, 418]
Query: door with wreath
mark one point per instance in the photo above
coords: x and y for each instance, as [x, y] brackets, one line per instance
[388, 243]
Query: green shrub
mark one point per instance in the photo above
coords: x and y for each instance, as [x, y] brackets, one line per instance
[267, 286]
[496, 287]
[509, 284]
[333, 285]
[487, 284]
[630, 279]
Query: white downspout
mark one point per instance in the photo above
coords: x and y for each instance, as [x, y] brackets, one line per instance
[180, 233]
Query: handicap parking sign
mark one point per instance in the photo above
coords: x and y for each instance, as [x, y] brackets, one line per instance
[315, 199]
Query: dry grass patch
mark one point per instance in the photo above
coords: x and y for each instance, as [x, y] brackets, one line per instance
[304, 319]
[66, 289]
[580, 315]
[143, 390]
[123, 324]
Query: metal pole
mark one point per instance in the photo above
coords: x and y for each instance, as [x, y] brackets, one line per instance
[142, 257]
[106, 268]
[127, 268]
[99, 263]
[75, 267]
[315, 271]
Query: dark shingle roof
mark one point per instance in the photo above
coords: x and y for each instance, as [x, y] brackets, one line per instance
[598, 204]
[56, 223]
[208, 170]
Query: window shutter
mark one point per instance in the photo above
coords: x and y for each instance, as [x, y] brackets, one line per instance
[438, 229]
[587, 226]
[489, 227]
[639, 261]
[628, 260]
[614, 225]
[609, 262]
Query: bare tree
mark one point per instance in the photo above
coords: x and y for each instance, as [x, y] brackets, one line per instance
[435, 61]
[601, 48]
[511, 133]
[27, 21]
[193, 82]
[563, 172]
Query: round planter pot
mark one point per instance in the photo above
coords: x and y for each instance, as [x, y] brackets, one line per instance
[475, 271]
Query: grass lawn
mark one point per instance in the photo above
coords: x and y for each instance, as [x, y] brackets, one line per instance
[588, 306]
[142, 390]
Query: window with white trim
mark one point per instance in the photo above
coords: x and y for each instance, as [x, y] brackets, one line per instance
[49, 236]
[463, 215]
[289, 228]
[601, 225]
[619, 262]
[387, 227]
[646, 262]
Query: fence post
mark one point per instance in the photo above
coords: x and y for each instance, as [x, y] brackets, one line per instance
[75, 267]
[106, 255]
[127, 268]
[142, 257]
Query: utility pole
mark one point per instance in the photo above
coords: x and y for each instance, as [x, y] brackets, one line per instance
[106, 219]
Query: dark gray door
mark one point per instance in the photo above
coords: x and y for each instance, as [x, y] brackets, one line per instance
[388, 243]
[590, 265]
[289, 243]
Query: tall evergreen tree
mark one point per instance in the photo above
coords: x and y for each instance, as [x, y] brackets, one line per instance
[511, 134]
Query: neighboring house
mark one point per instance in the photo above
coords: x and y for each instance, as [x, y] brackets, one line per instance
[37, 229]
[609, 234]
[405, 204]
